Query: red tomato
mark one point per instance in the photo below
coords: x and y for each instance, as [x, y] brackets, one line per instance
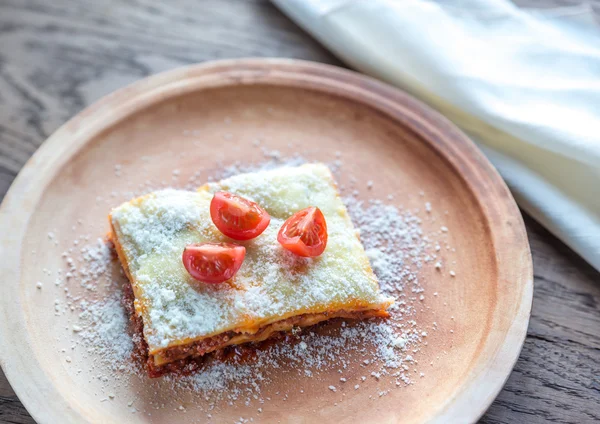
[236, 217]
[213, 262]
[304, 233]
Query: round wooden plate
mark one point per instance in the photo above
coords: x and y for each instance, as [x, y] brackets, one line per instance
[195, 119]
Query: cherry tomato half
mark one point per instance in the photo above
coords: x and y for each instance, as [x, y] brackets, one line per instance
[236, 217]
[304, 233]
[213, 262]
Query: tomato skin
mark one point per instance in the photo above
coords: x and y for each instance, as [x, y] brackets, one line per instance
[236, 217]
[304, 233]
[213, 263]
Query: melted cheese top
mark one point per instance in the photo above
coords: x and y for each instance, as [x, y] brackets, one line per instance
[271, 285]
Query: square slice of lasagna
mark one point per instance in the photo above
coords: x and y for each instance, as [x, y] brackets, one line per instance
[274, 290]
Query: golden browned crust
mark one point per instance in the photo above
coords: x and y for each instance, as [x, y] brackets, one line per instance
[231, 338]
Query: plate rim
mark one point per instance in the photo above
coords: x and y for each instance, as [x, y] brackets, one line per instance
[468, 406]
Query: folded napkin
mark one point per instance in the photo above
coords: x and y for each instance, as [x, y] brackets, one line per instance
[524, 85]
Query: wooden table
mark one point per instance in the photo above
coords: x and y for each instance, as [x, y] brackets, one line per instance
[58, 57]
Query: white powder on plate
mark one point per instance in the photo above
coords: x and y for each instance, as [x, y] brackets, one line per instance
[103, 329]
[397, 248]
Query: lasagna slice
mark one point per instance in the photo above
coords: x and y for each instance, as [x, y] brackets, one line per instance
[182, 319]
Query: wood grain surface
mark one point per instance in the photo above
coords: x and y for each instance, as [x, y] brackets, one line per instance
[57, 57]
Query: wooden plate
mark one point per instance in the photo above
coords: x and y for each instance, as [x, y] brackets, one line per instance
[197, 118]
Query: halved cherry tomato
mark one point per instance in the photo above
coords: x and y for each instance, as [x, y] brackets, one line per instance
[236, 217]
[213, 262]
[304, 233]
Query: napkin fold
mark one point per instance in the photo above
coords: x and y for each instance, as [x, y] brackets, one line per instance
[523, 84]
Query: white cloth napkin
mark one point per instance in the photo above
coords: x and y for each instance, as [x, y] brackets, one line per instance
[524, 85]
